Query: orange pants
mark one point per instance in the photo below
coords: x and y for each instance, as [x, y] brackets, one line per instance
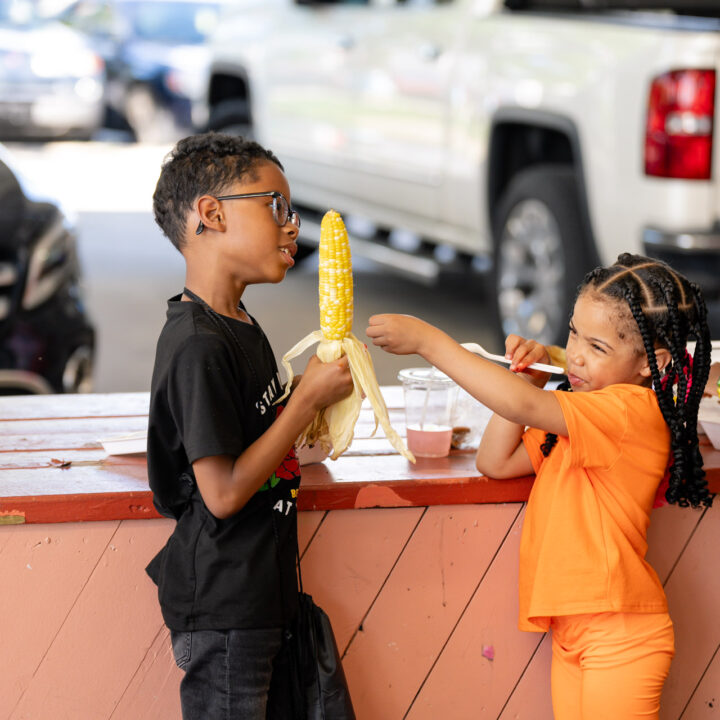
[610, 666]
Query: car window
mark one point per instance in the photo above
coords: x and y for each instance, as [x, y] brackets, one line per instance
[182, 22]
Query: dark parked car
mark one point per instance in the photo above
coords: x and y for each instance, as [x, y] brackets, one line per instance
[47, 343]
[156, 59]
[51, 80]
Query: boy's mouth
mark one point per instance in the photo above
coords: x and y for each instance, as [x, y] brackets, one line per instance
[288, 251]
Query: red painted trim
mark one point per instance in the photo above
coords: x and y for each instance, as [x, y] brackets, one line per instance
[479, 490]
[81, 507]
[88, 507]
[354, 481]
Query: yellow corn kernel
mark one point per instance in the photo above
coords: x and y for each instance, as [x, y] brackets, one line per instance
[335, 278]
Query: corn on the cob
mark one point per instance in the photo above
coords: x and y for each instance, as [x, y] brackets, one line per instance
[333, 427]
[335, 278]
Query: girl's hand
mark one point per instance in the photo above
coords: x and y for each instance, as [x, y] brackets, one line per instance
[400, 334]
[323, 384]
[523, 353]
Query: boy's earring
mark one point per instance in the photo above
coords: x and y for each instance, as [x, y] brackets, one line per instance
[200, 228]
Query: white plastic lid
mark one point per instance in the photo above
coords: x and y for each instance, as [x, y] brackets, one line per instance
[424, 376]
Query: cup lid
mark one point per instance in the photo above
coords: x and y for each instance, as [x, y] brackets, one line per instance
[425, 376]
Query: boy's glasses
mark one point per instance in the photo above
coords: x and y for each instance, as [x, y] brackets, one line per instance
[281, 210]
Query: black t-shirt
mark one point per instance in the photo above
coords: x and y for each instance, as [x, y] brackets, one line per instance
[213, 395]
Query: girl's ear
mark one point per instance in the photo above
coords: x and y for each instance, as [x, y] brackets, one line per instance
[662, 357]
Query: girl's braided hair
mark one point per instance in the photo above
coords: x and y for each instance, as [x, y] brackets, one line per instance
[668, 310]
[207, 163]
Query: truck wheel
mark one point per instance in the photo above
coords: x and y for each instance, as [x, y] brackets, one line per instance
[231, 117]
[541, 253]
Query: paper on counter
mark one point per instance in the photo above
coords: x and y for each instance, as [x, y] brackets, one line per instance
[130, 444]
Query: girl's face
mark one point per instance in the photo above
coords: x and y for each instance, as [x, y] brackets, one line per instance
[597, 354]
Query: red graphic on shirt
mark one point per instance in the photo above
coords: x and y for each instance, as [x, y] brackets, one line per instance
[289, 468]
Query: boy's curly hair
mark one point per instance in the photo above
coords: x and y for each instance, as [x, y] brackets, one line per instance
[207, 163]
[667, 310]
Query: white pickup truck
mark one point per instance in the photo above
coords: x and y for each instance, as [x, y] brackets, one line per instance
[526, 139]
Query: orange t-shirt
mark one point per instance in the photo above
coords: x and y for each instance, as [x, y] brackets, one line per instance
[584, 536]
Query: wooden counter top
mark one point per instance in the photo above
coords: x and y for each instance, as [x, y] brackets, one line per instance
[53, 467]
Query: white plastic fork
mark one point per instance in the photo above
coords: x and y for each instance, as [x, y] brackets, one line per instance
[480, 350]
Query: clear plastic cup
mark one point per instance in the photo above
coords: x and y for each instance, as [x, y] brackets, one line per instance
[429, 402]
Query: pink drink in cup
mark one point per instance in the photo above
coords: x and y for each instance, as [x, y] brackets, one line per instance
[431, 442]
[429, 399]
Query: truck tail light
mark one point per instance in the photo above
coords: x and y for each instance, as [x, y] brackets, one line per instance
[679, 132]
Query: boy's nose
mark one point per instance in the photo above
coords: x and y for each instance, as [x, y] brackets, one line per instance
[292, 230]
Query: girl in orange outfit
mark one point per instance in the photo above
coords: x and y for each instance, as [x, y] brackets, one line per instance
[600, 453]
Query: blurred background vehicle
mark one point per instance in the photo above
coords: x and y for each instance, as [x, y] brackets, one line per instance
[51, 80]
[525, 141]
[47, 342]
[156, 58]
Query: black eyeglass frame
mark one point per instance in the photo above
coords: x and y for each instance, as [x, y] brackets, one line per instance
[292, 215]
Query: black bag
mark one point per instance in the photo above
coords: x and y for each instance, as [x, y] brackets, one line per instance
[320, 690]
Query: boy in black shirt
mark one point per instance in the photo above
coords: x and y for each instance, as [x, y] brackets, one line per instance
[221, 457]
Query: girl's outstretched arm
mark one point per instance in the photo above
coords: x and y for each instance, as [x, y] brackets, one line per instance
[502, 453]
[496, 387]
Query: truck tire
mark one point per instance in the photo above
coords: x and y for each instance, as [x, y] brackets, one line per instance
[541, 253]
[231, 117]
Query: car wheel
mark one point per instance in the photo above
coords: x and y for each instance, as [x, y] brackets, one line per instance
[231, 117]
[541, 253]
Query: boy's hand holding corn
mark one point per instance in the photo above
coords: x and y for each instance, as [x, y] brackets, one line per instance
[323, 384]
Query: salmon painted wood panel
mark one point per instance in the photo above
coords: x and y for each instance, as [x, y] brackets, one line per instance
[44, 570]
[670, 530]
[422, 600]
[153, 692]
[82, 636]
[485, 654]
[693, 591]
[105, 635]
[349, 560]
[530, 698]
[705, 702]
[308, 523]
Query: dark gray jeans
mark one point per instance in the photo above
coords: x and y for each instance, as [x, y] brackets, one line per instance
[232, 675]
